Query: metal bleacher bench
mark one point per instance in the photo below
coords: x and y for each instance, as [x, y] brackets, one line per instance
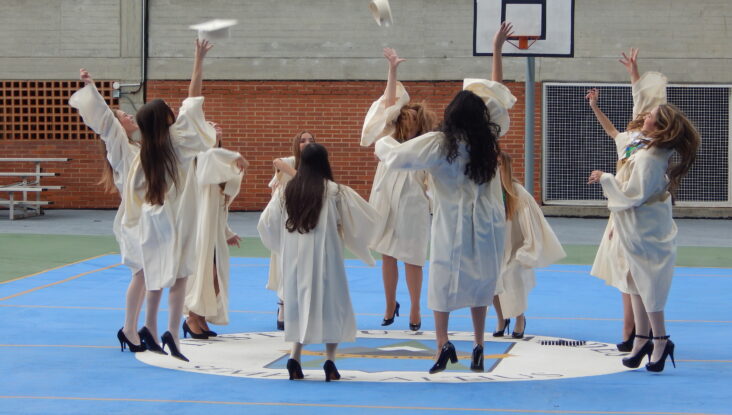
[28, 182]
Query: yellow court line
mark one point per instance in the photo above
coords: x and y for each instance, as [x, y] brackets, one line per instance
[60, 266]
[324, 405]
[359, 314]
[58, 282]
[59, 345]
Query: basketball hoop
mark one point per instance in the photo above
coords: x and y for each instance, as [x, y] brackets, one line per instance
[524, 42]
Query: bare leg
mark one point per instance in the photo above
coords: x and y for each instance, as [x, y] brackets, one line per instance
[441, 321]
[478, 314]
[176, 298]
[414, 284]
[296, 351]
[390, 275]
[628, 319]
[135, 297]
[201, 319]
[195, 322]
[642, 324]
[330, 351]
[658, 324]
[520, 323]
[151, 311]
[499, 314]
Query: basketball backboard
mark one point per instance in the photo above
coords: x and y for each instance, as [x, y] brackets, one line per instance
[541, 27]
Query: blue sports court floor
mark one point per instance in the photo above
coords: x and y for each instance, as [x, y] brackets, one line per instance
[59, 353]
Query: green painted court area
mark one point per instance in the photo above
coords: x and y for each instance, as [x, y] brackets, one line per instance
[24, 254]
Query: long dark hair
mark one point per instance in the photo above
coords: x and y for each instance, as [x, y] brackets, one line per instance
[305, 193]
[467, 119]
[675, 132]
[158, 159]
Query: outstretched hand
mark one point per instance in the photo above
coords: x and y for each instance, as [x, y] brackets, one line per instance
[242, 163]
[84, 76]
[503, 33]
[630, 62]
[394, 59]
[592, 96]
[202, 47]
[234, 240]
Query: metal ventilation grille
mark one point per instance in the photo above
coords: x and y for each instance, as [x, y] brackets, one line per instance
[39, 110]
[575, 143]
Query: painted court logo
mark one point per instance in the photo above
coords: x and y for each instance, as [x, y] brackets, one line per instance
[396, 356]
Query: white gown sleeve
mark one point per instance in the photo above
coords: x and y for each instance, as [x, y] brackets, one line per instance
[380, 119]
[271, 223]
[648, 92]
[99, 117]
[190, 131]
[541, 247]
[648, 179]
[358, 223]
[419, 153]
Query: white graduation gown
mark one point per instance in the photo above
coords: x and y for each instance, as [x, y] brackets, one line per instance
[530, 243]
[274, 278]
[120, 153]
[213, 167]
[319, 306]
[165, 233]
[610, 262]
[467, 228]
[400, 196]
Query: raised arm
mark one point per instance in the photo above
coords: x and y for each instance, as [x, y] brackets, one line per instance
[284, 167]
[630, 62]
[592, 96]
[499, 39]
[202, 47]
[391, 80]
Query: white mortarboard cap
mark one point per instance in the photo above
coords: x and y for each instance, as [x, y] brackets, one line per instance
[381, 11]
[497, 98]
[214, 29]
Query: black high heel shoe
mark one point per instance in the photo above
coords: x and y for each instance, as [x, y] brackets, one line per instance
[124, 341]
[668, 350]
[168, 340]
[294, 369]
[447, 352]
[280, 323]
[504, 330]
[476, 364]
[149, 341]
[210, 333]
[415, 327]
[389, 321]
[635, 360]
[627, 345]
[187, 330]
[517, 335]
[331, 372]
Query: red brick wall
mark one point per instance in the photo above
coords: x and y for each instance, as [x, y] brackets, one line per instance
[259, 119]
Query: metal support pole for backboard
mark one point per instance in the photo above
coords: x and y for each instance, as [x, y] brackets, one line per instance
[529, 127]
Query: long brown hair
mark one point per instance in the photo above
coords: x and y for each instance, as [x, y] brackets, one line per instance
[510, 198]
[296, 146]
[305, 193]
[675, 132]
[107, 179]
[426, 121]
[158, 159]
[467, 120]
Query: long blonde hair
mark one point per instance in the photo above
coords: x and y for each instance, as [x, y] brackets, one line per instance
[675, 132]
[510, 198]
[426, 121]
[296, 146]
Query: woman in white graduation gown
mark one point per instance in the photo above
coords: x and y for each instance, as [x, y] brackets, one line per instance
[161, 205]
[639, 196]
[400, 196]
[218, 175]
[469, 220]
[610, 265]
[307, 224]
[117, 129]
[285, 169]
[530, 243]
